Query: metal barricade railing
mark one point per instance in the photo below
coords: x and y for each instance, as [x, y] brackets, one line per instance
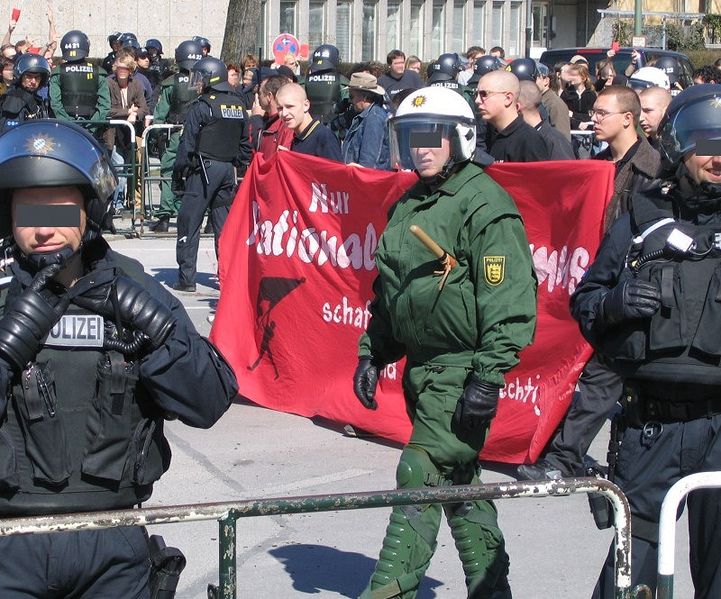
[228, 513]
[147, 177]
[667, 525]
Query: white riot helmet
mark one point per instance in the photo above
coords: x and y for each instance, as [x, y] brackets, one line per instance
[432, 110]
[649, 77]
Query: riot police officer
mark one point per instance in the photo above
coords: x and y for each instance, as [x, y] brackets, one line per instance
[214, 150]
[649, 303]
[172, 107]
[94, 356]
[444, 72]
[204, 43]
[23, 100]
[109, 60]
[324, 85]
[525, 69]
[78, 89]
[459, 333]
[158, 64]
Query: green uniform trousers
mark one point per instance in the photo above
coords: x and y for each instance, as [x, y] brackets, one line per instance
[169, 202]
[435, 456]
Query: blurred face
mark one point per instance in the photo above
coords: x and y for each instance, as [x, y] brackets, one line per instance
[704, 169]
[566, 74]
[8, 73]
[415, 66]
[398, 66]
[247, 77]
[122, 73]
[652, 111]
[430, 161]
[48, 238]
[9, 52]
[292, 109]
[233, 77]
[31, 81]
[608, 120]
[574, 78]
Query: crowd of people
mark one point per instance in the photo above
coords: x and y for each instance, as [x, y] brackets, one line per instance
[648, 303]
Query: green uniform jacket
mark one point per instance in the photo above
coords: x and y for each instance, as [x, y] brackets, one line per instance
[162, 108]
[486, 312]
[102, 107]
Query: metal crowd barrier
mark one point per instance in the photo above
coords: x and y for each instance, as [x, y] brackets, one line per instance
[667, 525]
[148, 176]
[228, 513]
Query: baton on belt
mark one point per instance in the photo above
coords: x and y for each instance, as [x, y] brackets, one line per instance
[447, 261]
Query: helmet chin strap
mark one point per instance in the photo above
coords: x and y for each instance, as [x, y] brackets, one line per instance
[39, 260]
[450, 167]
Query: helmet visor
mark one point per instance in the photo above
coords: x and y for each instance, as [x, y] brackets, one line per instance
[695, 122]
[409, 134]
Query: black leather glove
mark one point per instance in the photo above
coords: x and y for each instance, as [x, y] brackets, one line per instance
[630, 299]
[29, 318]
[365, 381]
[177, 182]
[136, 308]
[477, 406]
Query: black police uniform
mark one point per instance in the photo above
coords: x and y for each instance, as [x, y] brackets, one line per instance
[83, 431]
[670, 365]
[518, 142]
[213, 148]
[19, 104]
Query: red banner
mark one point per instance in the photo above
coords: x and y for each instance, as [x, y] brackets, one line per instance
[296, 271]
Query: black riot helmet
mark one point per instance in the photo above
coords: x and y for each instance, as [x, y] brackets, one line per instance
[32, 63]
[153, 43]
[326, 57]
[694, 115]
[52, 153]
[203, 41]
[670, 66]
[75, 45]
[210, 73]
[524, 68]
[113, 38]
[446, 68]
[129, 40]
[187, 54]
[484, 64]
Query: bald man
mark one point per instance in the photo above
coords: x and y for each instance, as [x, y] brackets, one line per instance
[497, 103]
[310, 136]
[529, 103]
[654, 102]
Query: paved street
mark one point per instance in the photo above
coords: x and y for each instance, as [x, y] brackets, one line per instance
[556, 551]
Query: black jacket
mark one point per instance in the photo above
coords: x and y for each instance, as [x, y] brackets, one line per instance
[519, 142]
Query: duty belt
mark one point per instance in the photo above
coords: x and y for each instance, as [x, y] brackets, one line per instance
[659, 410]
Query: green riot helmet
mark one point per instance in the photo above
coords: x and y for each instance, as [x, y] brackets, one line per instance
[52, 153]
[75, 45]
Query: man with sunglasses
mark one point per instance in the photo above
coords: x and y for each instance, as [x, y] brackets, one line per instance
[513, 140]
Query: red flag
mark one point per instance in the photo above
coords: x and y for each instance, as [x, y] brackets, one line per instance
[296, 269]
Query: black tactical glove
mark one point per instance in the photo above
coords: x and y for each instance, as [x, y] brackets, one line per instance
[630, 299]
[29, 318]
[365, 381]
[477, 406]
[177, 182]
[136, 308]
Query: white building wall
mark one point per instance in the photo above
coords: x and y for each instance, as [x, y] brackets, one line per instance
[173, 21]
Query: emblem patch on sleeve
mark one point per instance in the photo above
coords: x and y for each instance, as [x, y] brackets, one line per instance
[494, 269]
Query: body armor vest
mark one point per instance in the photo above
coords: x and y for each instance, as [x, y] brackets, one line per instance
[79, 88]
[81, 433]
[680, 343]
[181, 98]
[219, 138]
[323, 91]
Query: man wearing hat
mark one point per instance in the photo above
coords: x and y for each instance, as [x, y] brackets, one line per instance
[366, 143]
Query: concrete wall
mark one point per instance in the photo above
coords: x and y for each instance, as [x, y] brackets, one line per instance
[169, 21]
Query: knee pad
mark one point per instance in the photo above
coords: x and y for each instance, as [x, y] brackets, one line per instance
[416, 469]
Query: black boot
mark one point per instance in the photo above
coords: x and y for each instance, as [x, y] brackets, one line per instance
[162, 225]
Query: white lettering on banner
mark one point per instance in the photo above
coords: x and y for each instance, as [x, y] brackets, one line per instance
[557, 269]
[524, 392]
[336, 201]
[348, 314]
[288, 236]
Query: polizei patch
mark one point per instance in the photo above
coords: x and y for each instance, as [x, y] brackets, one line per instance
[77, 330]
[230, 111]
[494, 269]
